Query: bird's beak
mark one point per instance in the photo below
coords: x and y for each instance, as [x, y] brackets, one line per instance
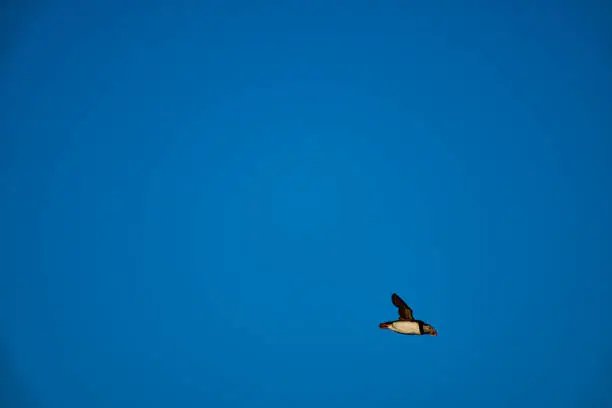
[384, 325]
[435, 333]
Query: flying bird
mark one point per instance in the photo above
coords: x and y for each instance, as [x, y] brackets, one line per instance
[407, 324]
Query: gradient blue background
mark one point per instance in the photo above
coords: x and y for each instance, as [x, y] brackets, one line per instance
[210, 204]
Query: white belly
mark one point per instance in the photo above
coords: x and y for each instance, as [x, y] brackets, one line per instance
[405, 327]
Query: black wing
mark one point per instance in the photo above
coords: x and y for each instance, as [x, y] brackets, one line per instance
[405, 312]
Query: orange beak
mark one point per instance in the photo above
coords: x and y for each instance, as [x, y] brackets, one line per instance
[384, 325]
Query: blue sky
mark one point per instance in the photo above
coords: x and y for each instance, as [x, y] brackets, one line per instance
[210, 204]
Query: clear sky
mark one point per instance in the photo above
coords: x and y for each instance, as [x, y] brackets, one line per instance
[209, 204]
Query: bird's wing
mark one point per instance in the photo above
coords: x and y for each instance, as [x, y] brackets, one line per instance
[405, 312]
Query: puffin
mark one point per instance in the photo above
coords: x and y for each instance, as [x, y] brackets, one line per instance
[407, 324]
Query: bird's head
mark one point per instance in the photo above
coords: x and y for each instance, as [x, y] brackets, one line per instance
[429, 330]
[384, 325]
